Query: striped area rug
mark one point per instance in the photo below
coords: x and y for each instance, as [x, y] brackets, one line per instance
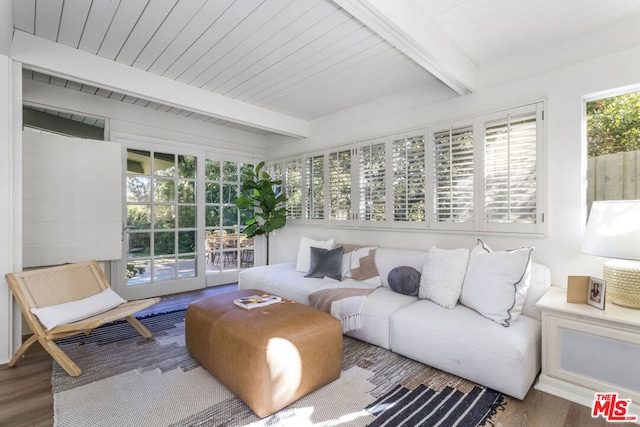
[130, 381]
[424, 406]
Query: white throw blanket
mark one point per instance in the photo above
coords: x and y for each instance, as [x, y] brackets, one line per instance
[343, 300]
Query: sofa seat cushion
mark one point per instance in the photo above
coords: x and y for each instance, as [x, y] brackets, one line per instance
[375, 316]
[463, 343]
[279, 279]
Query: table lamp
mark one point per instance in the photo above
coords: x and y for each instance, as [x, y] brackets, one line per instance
[613, 231]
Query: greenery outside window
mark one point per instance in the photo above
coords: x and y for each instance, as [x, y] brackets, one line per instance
[613, 148]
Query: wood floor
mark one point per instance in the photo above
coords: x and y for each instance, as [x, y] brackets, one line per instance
[26, 398]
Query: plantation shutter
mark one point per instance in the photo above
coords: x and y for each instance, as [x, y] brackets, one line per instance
[293, 188]
[314, 184]
[453, 175]
[372, 182]
[511, 169]
[409, 177]
[340, 185]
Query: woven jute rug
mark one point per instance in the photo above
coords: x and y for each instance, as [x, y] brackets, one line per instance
[130, 381]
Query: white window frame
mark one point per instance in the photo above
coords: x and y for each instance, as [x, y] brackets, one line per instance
[356, 201]
[305, 189]
[539, 227]
[478, 223]
[428, 201]
[434, 224]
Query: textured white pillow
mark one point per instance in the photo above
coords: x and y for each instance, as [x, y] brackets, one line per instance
[73, 311]
[304, 253]
[443, 275]
[496, 283]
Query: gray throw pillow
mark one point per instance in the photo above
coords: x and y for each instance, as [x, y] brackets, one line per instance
[404, 280]
[326, 263]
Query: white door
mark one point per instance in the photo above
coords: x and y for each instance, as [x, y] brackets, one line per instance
[182, 229]
[163, 216]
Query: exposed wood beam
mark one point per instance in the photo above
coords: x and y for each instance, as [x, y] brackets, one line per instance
[56, 59]
[404, 25]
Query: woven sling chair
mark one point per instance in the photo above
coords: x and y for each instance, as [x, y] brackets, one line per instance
[52, 286]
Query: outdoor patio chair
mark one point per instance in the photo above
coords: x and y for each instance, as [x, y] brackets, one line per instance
[68, 290]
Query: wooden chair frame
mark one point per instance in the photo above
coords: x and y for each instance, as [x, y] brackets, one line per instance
[57, 285]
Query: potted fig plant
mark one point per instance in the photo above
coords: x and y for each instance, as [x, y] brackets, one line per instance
[264, 196]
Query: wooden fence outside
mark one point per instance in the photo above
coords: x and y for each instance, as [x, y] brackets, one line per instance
[613, 177]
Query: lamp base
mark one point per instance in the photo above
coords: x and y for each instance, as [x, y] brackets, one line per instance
[622, 279]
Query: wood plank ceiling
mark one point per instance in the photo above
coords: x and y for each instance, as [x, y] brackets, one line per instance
[303, 58]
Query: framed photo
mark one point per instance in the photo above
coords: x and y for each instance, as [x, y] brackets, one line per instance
[597, 288]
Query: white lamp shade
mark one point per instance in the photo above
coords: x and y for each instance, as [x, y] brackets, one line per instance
[613, 229]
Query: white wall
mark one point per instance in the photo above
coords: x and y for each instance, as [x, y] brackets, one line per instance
[10, 194]
[563, 89]
[129, 119]
[6, 26]
[72, 194]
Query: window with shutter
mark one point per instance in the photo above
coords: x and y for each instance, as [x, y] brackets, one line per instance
[483, 173]
[453, 175]
[314, 183]
[372, 172]
[340, 185]
[293, 188]
[409, 177]
[510, 169]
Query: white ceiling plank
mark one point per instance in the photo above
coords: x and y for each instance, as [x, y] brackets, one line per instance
[178, 19]
[343, 38]
[359, 69]
[308, 71]
[238, 63]
[339, 63]
[74, 17]
[284, 52]
[292, 37]
[405, 26]
[24, 16]
[121, 26]
[244, 38]
[74, 85]
[48, 18]
[62, 61]
[149, 23]
[206, 17]
[233, 16]
[394, 76]
[100, 17]
[104, 93]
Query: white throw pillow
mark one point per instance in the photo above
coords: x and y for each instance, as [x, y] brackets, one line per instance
[304, 253]
[442, 276]
[496, 283]
[73, 311]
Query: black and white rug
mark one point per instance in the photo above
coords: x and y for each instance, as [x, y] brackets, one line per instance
[130, 381]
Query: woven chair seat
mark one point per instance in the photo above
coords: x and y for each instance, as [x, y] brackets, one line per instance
[58, 285]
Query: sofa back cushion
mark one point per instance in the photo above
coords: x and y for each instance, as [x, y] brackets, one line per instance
[389, 258]
[540, 283]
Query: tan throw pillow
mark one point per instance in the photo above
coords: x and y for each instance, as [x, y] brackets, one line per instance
[363, 266]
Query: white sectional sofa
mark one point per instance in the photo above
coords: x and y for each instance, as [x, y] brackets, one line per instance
[458, 340]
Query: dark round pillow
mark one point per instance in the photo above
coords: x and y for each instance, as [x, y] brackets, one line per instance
[404, 280]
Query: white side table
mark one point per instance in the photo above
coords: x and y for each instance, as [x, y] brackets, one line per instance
[586, 350]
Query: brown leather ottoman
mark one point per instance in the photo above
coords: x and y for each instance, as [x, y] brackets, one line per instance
[267, 356]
